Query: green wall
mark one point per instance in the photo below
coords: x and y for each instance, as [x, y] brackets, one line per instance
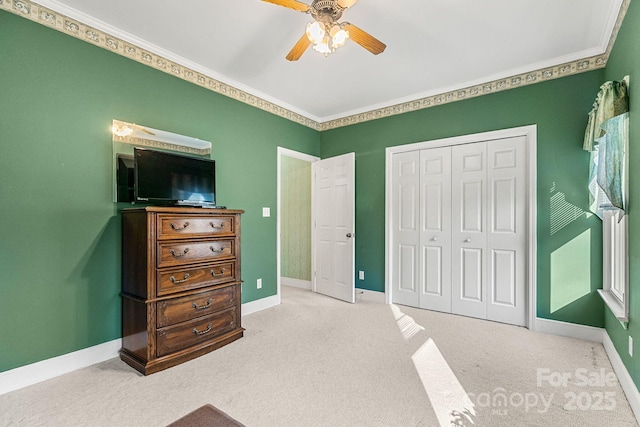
[569, 254]
[60, 256]
[625, 60]
[61, 232]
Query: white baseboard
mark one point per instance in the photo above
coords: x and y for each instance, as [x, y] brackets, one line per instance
[625, 380]
[570, 330]
[370, 296]
[296, 283]
[260, 304]
[40, 371]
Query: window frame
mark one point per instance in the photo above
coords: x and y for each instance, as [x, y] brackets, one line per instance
[615, 272]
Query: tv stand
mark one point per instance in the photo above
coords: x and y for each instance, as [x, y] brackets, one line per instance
[181, 284]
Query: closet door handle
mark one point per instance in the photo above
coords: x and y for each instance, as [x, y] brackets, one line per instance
[467, 240]
[434, 239]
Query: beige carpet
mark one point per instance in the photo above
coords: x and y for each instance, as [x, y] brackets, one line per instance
[316, 361]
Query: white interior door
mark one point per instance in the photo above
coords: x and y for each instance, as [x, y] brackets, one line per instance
[334, 218]
[435, 229]
[506, 237]
[406, 229]
[469, 235]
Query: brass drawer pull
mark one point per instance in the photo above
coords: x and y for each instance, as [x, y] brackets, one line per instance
[209, 327]
[178, 255]
[218, 250]
[202, 307]
[177, 282]
[218, 227]
[177, 228]
[222, 271]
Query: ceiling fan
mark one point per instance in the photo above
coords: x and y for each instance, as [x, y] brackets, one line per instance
[326, 33]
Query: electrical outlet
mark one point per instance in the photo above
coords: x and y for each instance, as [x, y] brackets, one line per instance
[266, 212]
[630, 346]
[259, 283]
[361, 275]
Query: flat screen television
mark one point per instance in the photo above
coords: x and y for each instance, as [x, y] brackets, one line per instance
[173, 179]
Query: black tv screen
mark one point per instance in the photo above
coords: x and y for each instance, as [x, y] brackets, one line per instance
[170, 178]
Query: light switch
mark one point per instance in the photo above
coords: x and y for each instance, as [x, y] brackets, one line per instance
[266, 212]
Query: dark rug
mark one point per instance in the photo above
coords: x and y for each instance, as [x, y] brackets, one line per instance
[206, 416]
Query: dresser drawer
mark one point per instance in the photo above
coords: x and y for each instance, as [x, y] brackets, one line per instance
[189, 307]
[179, 227]
[177, 253]
[200, 330]
[184, 279]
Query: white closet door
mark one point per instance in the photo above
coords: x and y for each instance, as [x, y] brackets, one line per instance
[469, 234]
[506, 239]
[435, 229]
[405, 228]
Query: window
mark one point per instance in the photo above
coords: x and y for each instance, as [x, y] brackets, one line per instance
[607, 139]
[615, 283]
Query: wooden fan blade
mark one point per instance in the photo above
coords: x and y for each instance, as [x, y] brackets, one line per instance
[346, 3]
[291, 4]
[365, 39]
[299, 48]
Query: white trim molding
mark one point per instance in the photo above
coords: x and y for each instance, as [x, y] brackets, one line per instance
[27, 375]
[569, 330]
[76, 24]
[625, 380]
[296, 283]
[260, 304]
[370, 296]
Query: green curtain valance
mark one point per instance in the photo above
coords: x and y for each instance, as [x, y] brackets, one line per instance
[607, 138]
[611, 101]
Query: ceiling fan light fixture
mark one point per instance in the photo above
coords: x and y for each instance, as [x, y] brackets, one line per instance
[338, 36]
[324, 47]
[316, 32]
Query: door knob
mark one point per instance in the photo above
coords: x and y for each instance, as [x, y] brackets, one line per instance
[434, 239]
[467, 240]
[349, 235]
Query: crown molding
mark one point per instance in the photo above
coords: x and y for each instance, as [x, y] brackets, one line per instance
[83, 27]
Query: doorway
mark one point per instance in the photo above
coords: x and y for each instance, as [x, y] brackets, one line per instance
[294, 222]
[316, 223]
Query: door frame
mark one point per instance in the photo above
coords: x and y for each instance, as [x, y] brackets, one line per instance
[285, 152]
[530, 134]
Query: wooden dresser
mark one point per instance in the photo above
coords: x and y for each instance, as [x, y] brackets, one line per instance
[180, 284]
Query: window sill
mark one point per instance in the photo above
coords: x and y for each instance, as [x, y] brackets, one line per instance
[616, 307]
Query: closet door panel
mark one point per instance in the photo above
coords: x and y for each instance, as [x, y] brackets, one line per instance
[405, 226]
[507, 238]
[469, 234]
[435, 229]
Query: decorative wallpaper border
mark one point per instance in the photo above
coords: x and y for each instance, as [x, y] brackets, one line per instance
[75, 28]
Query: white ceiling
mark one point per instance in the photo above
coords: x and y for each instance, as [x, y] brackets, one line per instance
[433, 46]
